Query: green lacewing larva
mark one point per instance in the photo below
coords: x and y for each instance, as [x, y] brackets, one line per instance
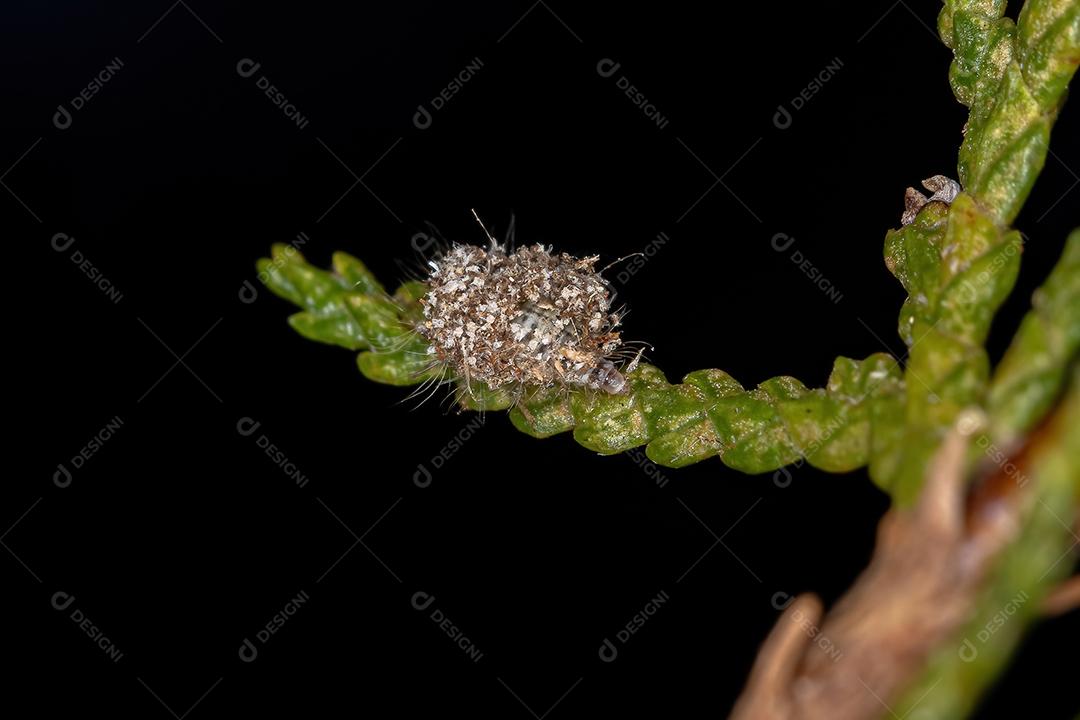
[520, 318]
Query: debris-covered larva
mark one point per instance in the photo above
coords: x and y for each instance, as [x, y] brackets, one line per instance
[527, 317]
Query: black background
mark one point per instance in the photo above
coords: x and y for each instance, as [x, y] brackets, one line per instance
[180, 537]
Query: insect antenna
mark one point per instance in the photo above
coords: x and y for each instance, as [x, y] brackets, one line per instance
[619, 260]
[432, 386]
[452, 400]
[510, 234]
[481, 223]
[431, 394]
[627, 351]
[621, 313]
[427, 381]
[420, 389]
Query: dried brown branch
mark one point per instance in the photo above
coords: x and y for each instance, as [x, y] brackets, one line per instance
[921, 586]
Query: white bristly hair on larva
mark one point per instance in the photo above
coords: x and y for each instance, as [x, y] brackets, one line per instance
[523, 318]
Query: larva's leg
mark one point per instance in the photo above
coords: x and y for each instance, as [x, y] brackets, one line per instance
[634, 363]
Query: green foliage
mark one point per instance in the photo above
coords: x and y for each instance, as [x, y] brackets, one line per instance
[957, 266]
[709, 413]
[1029, 377]
[1022, 576]
[1013, 78]
[957, 262]
[348, 307]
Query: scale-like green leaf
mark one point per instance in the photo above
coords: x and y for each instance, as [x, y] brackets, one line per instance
[957, 262]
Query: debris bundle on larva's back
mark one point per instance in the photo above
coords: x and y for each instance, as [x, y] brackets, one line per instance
[526, 318]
